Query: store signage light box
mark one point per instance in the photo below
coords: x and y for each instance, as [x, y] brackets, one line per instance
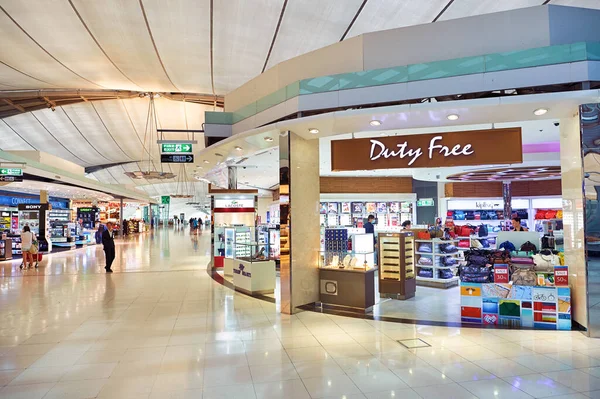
[175, 148]
[473, 147]
[11, 172]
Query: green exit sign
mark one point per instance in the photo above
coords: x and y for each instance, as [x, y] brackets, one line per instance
[175, 148]
[165, 200]
[425, 202]
[11, 172]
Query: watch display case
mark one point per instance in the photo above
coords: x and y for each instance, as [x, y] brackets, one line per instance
[5, 249]
[251, 252]
[396, 265]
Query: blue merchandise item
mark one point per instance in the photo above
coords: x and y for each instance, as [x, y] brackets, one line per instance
[459, 215]
[507, 245]
[484, 243]
[425, 272]
[425, 248]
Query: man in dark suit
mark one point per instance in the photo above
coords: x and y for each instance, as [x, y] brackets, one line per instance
[109, 246]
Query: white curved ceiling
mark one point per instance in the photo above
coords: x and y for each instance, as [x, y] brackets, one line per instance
[159, 45]
[171, 46]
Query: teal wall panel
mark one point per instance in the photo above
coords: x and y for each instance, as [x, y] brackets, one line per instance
[445, 69]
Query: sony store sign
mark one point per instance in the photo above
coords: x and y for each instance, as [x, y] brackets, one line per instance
[234, 203]
[472, 147]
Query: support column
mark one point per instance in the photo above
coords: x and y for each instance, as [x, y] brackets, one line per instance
[121, 217]
[43, 197]
[299, 220]
[574, 224]
[507, 198]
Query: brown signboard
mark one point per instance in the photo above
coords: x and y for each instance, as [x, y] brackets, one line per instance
[472, 147]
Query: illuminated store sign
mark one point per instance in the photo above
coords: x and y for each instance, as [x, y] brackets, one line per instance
[473, 147]
[234, 203]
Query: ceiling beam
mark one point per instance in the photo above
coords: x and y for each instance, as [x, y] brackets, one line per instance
[15, 106]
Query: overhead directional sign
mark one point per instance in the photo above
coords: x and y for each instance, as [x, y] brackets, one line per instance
[175, 148]
[11, 172]
[11, 179]
[166, 158]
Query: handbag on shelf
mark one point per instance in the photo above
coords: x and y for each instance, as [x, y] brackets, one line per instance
[448, 248]
[459, 215]
[423, 235]
[559, 214]
[548, 242]
[484, 242]
[508, 246]
[483, 230]
[545, 263]
[477, 260]
[425, 261]
[464, 243]
[522, 214]
[528, 246]
[551, 214]
[522, 260]
[500, 256]
[449, 214]
[424, 247]
[476, 243]
[470, 215]
[522, 276]
[492, 215]
[446, 273]
[449, 261]
[477, 215]
[466, 230]
[540, 214]
[425, 272]
[485, 215]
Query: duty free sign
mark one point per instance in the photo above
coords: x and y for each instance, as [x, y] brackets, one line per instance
[473, 147]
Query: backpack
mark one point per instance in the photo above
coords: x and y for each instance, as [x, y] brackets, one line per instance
[528, 247]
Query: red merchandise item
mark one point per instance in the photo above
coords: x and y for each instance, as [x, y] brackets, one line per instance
[472, 312]
[540, 214]
[465, 231]
[464, 243]
[423, 235]
[550, 214]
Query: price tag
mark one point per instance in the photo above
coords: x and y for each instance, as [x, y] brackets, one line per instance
[561, 276]
[501, 274]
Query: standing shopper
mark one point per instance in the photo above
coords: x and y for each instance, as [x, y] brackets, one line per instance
[109, 246]
[27, 242]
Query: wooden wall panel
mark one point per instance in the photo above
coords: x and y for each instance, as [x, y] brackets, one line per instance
[366, 185]
[537, 188]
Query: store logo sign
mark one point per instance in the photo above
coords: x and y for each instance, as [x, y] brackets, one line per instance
[378, 149]
[240, 270]
[475, 147]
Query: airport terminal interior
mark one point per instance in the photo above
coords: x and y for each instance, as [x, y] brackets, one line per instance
[299, 199]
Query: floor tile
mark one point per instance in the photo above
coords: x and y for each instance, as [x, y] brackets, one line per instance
[89, 371]
[378, 381]
[227, 376]
[462, 372]
[324, 368]
[394, 394]
[38, 376]
[540, 363]
[578, 380]
[76, 389]
[293, 389]
[504, 367]
[245, 391]
[273, 373]
[447, 391]
[321, 387]
[421, 376]
[538, 385]
[492, 389]
[178, 381]
[32, 391]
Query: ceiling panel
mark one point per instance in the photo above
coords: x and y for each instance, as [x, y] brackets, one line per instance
[29, 59]
[466, 8]
[61, 127]
[181, 30]
[9, 140]
[33, 132]
[56, 27]
[578, 3]
[390, 14]
[242, 36]
[120, 29]
[311, 24]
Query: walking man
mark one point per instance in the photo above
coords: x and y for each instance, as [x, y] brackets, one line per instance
[109, 246]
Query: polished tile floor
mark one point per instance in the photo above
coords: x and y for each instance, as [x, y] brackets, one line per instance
[160, 327]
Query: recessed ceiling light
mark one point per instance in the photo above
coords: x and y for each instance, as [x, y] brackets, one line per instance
[452, 117]
[238, 148]
[205, 161]
[375, 123]
[269, 139]
[313, 130]
[540, 111]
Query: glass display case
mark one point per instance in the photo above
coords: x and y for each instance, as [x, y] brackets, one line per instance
[252, 251]
[350, 260]
[31, 219]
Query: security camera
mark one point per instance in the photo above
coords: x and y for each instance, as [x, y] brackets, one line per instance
[556, 123]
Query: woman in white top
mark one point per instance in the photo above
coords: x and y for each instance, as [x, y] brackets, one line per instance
[27, 238]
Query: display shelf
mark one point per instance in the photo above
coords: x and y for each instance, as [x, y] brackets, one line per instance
[437, 264]
[396, 263]
[437, 282]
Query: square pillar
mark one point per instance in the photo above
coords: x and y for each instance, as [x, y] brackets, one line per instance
[299, 220]
[573, 215]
